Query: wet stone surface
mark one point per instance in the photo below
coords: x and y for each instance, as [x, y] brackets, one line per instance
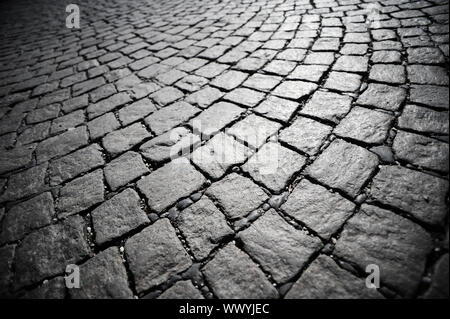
[224, 149]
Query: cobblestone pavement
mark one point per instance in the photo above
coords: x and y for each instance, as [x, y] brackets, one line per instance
[350, 97]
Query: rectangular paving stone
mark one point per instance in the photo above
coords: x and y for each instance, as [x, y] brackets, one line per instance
[203, 226]
[80, 194]
[294, 89]
[388, 73]
[170, 116]
[155, 254]
[215, 118]
[436, 96]
[277, 246]
[417, 193]
[365, 125]
[344, 166]
[47, 251]
[254, 130]
[319, 209]
[66, 122]
[170, 183]
[343, 81]
[183, 289]
[421, 150]
[351, 63]
[219, 154]
[118, 216]
[424, 120]
[398, 246]
[382, 96]
[122, 140]
[16, 158]
[324, 279]
[277, 108]
[109, 283]
[136, 111]
[427, 74]
[229, 80]
[102, 125]
[109, 104]
[305, 135]
[274, 166]
[236, 195]
[328, 106]
[312, 73]
[62, 144]
[204, 97]
[124, 169]
[227, 280]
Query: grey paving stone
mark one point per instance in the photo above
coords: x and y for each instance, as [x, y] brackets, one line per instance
[166, 95]
[68, 121]
[122, 140]
[365, 125]
[170, 183]
[51, 289]
[224, 274]
[16, 158]
[215, 118]
[229, 80]
[427, 74]
[262, 82]
[124, 169]
[236, 195]
[421, 150]
[27, 216]
[274, 165]
[109, 104]
[76, 163]
[170, 116]
[102, 125]
[80, 194]
[25, 183]
[203, 226]
[342, 81]
[424, 120]
[311, 73]
[277, 108]
[351, 63]
[6, 274]
[111, 282]
[277, 246]
[62, 144]
[43, 114]
[34, 133]
[439, 287]
[344, 166]
[118, 216]
[328, 106]
[204, 97]
[386, 57]
[436, 96]
[305, 135]
[191, 83]
[398, 246]
[382, 96]
[181, 290]
[425, 55]
[280, 67]
[155, 254]
[319, 209]
[47, 251]
[254, 130]
[219, 154]
[244, 96]
[417, 193]
[324, 279]
[294, 89]
[169, 145]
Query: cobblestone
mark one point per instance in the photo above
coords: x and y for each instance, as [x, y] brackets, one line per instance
[224, 149]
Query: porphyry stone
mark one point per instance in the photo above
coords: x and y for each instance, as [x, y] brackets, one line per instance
[237, 195]
[124, 139]
[155, 254]
[420, 194]
[16, 158]
[203, 226]
[124, 169]
[382, 96]
[224, 274]
[182, 290]
[344, 166]
[328, 106]
[81, 193]
[165, 186]
[424, 120]
[47, 251]
[118, 216]
[324, 279]
[277, 246]
[319, 209]
[398, 246]
[102, 277]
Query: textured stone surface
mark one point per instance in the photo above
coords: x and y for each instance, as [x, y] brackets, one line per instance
[224, 274]
[111, 282]
[181, 290]
[398, 246]
[418, 193]
[439, 286]
[382, 96]
[328, 106]
[165, 186]
[424, 120]
[124, 139]
[118, 216]
[124, 169]
[323, 279]
[203, 226]
[279, 248]
[319, 209]
[274, 165]
[170, 116]
[344, 166]
[47, 251]
[155, 254]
